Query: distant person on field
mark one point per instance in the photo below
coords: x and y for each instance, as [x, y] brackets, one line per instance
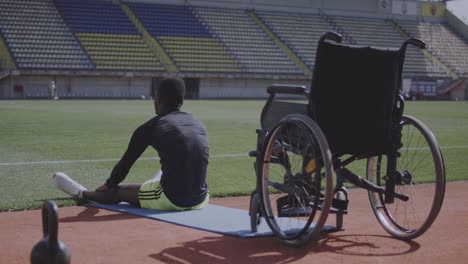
[52, 90]
[181, 142]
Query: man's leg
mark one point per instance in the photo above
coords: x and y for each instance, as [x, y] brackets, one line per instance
[123, 193]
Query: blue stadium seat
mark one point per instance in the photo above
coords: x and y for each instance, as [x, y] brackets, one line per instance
[95, 17]
[38, 37]
[169, 20]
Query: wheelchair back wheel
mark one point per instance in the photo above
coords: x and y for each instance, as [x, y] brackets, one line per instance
[420, 175]
[295, 180]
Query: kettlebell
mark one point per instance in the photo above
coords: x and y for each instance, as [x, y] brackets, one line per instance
[50, 250]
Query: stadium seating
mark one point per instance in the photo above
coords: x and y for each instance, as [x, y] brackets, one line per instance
[249, 45]
[119, 52]
[445, 43]
[101, 35]
[108, 36]
[169, 20]
[187, 41]
[37, 37]
[302, 31]
[380, 33]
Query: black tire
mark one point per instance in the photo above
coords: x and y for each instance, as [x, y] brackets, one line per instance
[422, 180]
[295, 180]
[254, 212]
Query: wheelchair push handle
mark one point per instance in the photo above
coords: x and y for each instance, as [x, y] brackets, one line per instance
[416, 42]
[331, 36]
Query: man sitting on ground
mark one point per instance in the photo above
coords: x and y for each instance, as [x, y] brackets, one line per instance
[181, 142]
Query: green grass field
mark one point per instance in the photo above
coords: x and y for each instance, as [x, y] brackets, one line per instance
[86, 138]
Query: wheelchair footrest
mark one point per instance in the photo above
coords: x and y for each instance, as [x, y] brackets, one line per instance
[340, 205]
[340, 201]
[337, 211]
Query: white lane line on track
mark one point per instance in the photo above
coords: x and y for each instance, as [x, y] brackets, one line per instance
[43, 162]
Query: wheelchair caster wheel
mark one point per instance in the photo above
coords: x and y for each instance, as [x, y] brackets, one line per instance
[254, 212]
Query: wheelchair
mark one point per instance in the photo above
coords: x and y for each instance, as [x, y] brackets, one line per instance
[353, 112]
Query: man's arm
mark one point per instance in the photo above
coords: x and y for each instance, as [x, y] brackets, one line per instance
[138, 144]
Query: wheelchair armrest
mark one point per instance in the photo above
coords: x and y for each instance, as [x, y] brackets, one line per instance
[287, 89]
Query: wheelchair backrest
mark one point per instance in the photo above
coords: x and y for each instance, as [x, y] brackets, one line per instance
[353, 95]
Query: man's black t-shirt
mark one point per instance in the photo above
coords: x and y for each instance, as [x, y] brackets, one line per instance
[181, 142]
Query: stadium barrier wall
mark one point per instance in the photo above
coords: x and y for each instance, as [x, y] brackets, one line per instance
[76, 87]
[37, 87]
[236, 88]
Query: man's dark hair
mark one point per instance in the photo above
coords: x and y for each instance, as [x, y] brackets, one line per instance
[171, 92]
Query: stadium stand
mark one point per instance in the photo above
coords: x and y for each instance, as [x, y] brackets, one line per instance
[187, 41]
[37, 37]
[225, 49]
[108, 35]
[251, 47]
[299, 32]
[380, 33]
[443, 41]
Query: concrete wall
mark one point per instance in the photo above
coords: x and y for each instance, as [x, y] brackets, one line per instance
[235, 88]
[465, 91]
[459, 93]
[75, 87]
[36, 87]
[120, 87]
